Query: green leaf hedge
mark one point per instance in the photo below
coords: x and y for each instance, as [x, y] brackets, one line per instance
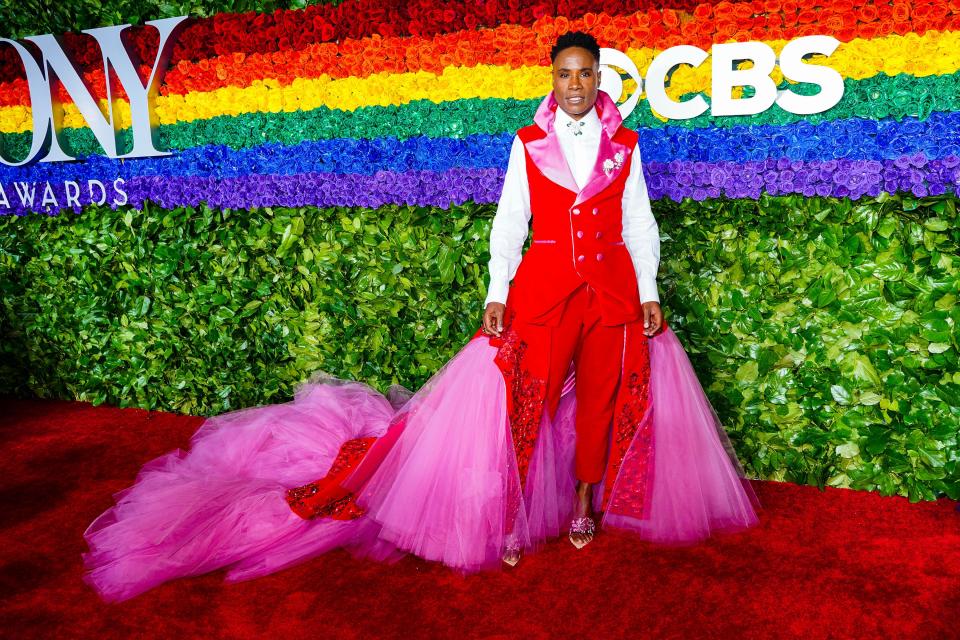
[824, 331]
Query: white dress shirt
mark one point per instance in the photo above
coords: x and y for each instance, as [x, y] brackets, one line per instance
[511, 224]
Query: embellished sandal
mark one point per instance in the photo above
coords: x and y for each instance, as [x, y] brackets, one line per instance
[511, 555]
[584, 526]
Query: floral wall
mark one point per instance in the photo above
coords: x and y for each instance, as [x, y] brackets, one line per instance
[335, 169]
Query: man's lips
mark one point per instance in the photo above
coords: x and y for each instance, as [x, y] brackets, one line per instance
[575, 99]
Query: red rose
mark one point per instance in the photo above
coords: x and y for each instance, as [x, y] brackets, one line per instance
[922, 11]
[702, 12]
[868, 30]
[846, 34]
[842, 6]
[723, 10]
[772, 6]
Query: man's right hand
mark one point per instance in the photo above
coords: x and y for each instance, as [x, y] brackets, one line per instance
[493, 318]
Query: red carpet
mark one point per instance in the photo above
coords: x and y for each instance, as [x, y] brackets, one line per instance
[839, 564]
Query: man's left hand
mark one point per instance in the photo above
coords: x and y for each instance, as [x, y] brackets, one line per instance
[652, 319]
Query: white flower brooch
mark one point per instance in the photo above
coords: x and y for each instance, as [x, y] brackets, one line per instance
[613, 163]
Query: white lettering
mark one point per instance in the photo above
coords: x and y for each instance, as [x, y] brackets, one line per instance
[3, 197]
[41, 105]
[26, 197]
[49, 197]
[73, 195]
[726, 77]
[793, 67]
[103, 191]
[54, 65]
[657, 73]
[116, 185]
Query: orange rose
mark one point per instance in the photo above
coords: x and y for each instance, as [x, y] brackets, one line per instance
[670, 19]
[672, 41]
[901, 12]
[743, 11]
[902, 28]
[807, 16]
[726, 29]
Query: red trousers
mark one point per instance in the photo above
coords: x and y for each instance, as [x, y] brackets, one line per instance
[596, 353]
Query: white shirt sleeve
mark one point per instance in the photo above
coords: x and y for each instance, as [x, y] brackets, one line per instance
[511, 224]
[641, 235]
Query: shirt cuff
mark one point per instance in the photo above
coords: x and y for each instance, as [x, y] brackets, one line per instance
[648, 289]
[496, 292]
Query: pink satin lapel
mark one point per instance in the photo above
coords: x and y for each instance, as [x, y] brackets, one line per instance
[610, 121]
[547, 154]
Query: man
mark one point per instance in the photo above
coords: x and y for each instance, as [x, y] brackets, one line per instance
[585, 293]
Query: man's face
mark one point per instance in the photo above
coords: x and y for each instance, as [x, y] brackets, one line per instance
[576, 79]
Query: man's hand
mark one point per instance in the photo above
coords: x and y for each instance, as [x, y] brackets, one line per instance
[652, 319]
[493, 319]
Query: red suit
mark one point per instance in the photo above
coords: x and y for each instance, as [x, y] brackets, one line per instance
[574, 301]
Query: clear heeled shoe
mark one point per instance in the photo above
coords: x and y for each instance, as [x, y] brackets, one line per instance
[511, 555]
[584, 526]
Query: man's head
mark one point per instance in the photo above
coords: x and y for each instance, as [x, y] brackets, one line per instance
[576, 72]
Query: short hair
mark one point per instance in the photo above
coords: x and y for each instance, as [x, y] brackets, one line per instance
[576, 39]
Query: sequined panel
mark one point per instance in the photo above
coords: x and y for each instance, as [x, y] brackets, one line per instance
[325, 498]
[526, 392]
[632, 435]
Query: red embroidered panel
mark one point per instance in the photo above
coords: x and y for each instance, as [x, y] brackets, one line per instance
[325, 498]
[526, 393]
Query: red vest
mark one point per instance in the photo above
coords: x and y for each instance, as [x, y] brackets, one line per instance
[575, 243]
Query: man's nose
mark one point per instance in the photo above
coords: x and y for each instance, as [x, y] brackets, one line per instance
[575, 81]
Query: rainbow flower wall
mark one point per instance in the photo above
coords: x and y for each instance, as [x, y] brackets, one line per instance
[370, 103]
[335, 170]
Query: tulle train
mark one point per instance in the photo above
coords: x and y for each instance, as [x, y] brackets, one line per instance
[447, 489]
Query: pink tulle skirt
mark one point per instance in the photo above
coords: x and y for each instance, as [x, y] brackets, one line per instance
[446, 490]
